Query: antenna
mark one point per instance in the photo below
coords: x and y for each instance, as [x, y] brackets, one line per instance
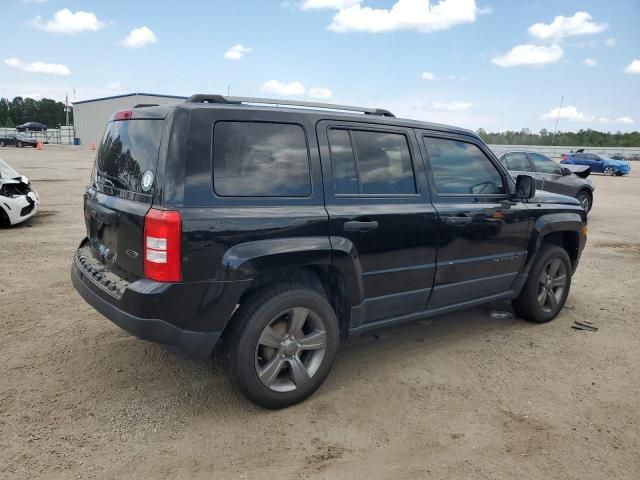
[555, 129]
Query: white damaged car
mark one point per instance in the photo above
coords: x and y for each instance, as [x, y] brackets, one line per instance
[18, 201]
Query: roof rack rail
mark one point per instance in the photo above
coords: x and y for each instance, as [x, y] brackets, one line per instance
[142, 105]
[205, 98]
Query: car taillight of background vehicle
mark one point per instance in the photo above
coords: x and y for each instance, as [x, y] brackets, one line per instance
[162, 245]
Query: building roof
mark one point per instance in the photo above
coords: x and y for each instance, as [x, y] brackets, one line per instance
[129, 95]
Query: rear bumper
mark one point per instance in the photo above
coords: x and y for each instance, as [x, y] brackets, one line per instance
[188, 316]
[196, 344]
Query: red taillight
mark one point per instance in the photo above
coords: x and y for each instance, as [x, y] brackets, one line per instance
[124, 115]
[162, 245]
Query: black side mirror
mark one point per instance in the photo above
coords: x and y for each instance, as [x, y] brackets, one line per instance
[525, 187]
[566, 171]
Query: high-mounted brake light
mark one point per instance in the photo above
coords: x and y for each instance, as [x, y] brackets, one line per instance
[123, 115]
[162, 245]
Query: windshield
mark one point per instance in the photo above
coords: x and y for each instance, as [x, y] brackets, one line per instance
[6, 171]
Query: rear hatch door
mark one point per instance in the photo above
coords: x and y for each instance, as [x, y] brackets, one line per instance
[121, 193]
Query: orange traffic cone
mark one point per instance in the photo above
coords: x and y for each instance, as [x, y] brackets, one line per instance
[93, 146]
[39, 145]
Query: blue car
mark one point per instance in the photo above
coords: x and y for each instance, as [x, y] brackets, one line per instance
[599, 163]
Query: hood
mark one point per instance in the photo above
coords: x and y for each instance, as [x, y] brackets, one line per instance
[547, 197]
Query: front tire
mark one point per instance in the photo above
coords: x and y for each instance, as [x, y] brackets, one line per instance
[547, 287]
[608, 171]
[281, 345]
[2, 144]
[585, 200]
[19, 144]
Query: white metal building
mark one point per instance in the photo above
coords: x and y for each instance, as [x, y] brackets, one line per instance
[91, 116]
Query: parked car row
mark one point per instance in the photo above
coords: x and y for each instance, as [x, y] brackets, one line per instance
[18, 139]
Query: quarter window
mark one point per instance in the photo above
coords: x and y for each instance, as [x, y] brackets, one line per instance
[252, 159]
[462, 168]
[381, 163]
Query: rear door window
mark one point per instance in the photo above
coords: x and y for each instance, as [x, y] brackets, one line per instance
[371, 163]
[129, 148]
[518, 161]
[260, 159]
[544, 164]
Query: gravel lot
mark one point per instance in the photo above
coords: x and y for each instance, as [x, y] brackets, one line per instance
[458, 396]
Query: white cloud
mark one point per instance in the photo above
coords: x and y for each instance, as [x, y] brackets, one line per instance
[418, 15]
[625, 120]
[455, 76]
[237, 52]
[590, 62]
[452, 106]
[428, 76]
[114, 86]
[319, 92]
[580, 24]
[568, 112]
[327, 4]
[38, 67]
[532, 55]
[282, 88]
[139, 37]
[610, 42]
[633, 68]
[67, 22]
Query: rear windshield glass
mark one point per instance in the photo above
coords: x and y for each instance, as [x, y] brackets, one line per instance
[129, 149]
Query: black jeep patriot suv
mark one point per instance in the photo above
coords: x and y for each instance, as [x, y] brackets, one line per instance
[277, 228]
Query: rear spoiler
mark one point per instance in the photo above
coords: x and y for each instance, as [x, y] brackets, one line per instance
[583, 171]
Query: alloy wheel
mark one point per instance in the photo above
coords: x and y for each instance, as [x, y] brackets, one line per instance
[290, 349]
[583, 198]
[552, 284]
[608, 171]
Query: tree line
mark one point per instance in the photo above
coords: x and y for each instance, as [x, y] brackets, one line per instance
[20, 110]
[581, 138]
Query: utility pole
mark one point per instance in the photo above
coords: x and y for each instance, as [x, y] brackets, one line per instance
[66, 111]
[228, 90]
[555, 129]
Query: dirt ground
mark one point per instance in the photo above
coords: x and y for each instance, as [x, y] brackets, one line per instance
[458, 396]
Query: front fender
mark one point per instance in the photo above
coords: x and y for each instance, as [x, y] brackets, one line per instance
[550, 223]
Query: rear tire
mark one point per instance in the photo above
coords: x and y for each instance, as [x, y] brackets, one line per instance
[19, 144]
[2, 144]
[281, 345]
[547, 287]
[585, 200]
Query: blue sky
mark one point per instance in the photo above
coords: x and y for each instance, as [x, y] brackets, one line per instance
[496, 64]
